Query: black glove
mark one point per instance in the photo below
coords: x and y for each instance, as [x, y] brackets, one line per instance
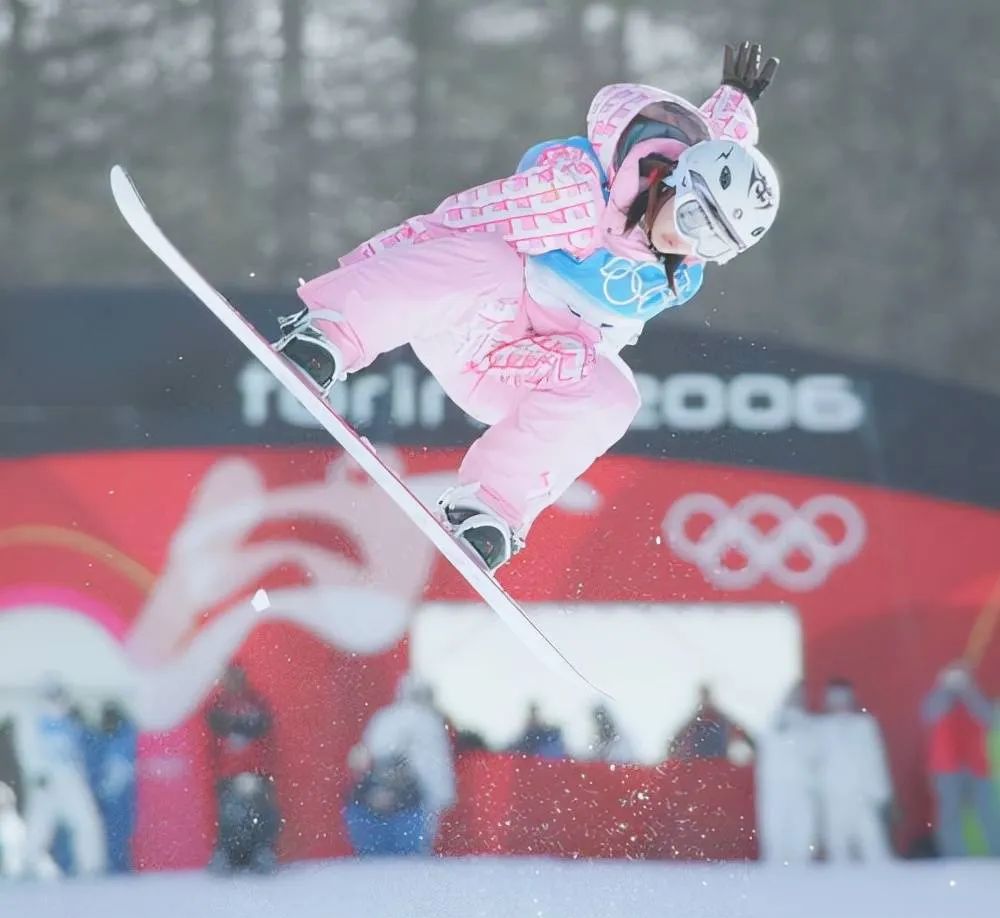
[741, 68]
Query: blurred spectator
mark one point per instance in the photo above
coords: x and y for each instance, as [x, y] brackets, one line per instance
[13, 836]
[61, 847]
[9, 769]
[608, 744]
[785, 777]
[539, 738]
[466, 740]
[51, 747]
[248, 825]
[709, 734]
[958, 717]
[385, 812]
[994, 744]
[853, 779]
[411, 727]
[240, 721]
[111, 758]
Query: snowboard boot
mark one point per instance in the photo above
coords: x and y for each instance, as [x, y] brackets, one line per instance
[310, 350]
[477, 526]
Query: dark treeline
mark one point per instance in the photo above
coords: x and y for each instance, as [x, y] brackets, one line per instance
[272, 135]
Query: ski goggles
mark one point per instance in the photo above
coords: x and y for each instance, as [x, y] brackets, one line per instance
[700, 221]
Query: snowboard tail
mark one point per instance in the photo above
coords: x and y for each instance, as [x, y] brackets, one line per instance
[141, 221]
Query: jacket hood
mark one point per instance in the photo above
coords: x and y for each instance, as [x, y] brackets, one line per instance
[625, 114]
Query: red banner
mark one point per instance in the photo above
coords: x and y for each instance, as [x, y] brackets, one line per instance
[159, 552]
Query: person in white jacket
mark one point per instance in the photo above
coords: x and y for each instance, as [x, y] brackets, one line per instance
[854, 784]
[413, 728]
[609, 743]
[49, 742]
[13, 835]
[785, 778]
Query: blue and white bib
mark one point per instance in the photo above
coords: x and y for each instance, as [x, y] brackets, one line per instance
[621, 287]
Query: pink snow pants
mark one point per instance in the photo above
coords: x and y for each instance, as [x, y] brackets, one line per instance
[440, 297]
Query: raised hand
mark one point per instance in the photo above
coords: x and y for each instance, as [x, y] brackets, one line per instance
[742, 68]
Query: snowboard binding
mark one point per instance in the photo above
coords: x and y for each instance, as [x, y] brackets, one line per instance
[474, 524]
[310, 350]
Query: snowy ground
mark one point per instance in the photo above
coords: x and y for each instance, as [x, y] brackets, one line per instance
[516, 888]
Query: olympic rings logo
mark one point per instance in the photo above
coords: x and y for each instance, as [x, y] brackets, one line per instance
[767, 550]
[627, 282]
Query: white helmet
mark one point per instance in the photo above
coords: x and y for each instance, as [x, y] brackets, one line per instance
[726, 198]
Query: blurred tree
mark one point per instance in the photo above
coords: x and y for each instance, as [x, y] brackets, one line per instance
[293, 202]
[223, 95]
[423, 154]
[882, 245]
[18, 101]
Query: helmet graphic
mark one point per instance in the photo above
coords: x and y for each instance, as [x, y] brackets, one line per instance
[726, 198]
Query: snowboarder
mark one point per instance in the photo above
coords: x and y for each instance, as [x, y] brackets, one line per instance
[519, 294]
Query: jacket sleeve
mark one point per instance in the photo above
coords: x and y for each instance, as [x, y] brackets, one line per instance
[554, 204]
[731, 116]
[938, 702]
[977, 704]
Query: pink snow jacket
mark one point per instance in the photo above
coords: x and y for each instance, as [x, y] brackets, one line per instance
[569, 201]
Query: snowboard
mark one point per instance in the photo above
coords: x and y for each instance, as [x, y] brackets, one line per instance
[297, 383]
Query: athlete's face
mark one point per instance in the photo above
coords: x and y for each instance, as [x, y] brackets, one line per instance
[664, 235]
